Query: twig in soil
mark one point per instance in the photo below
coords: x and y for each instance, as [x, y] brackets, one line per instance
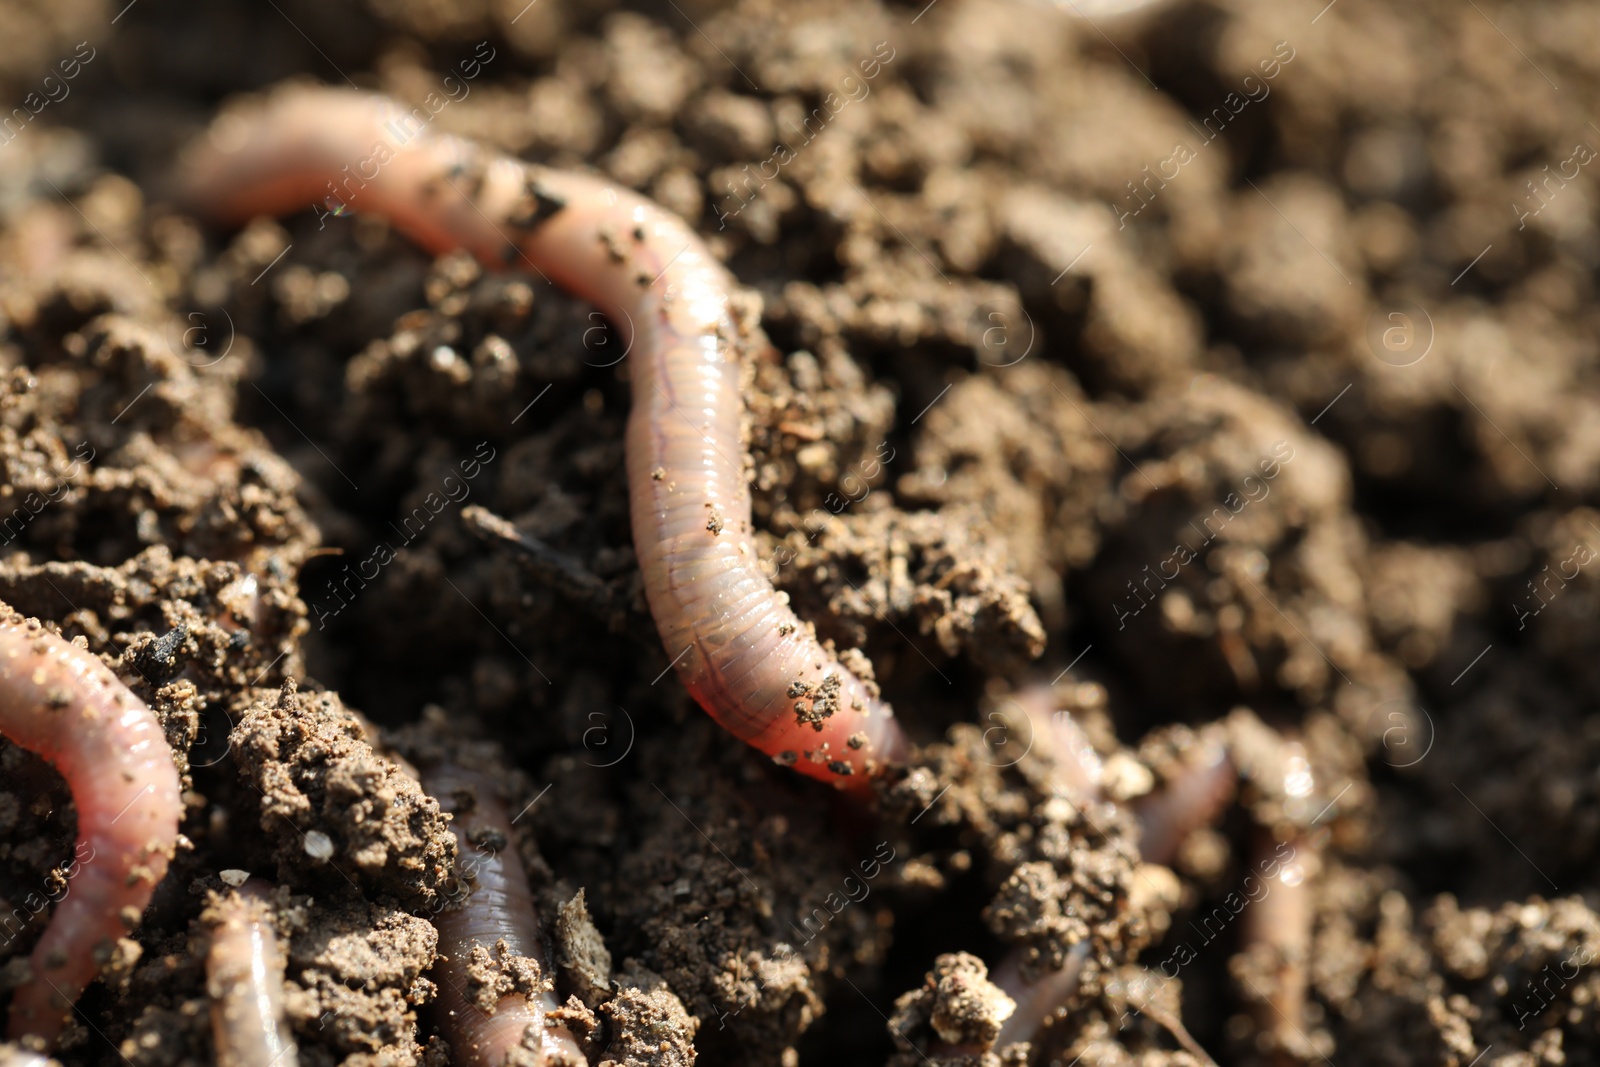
[559, 571]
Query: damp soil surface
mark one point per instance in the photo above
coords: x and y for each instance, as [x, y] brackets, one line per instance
[1226, 375]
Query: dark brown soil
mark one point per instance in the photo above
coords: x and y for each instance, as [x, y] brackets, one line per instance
[1235, 366]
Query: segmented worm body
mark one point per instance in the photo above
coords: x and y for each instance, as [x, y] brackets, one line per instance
[1193, 798]
[60, 702]
[1277, 934]
[498, 918]
[1278, 928]
[244, 979]
[736, 644]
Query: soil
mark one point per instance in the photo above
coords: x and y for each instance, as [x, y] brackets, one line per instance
[1231, 367]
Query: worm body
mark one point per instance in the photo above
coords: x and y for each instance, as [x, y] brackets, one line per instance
[1278, 930]
[62, 703]
[737, 646]
[1076, 769]
[1075, 772]
[499, 916]
[1036, 1001]
[1277, 934]
[244, 979]
[1194, 798]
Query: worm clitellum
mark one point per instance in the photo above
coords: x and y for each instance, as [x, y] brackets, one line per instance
[60, 702]
[244, 979]
[498, 916]
[736, 644]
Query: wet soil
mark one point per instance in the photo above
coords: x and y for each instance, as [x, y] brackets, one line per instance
[1231, 368]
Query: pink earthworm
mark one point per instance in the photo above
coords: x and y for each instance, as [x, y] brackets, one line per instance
[1278, 932]
[244, 979]
[498, 917]
[1038, 1000]
[61, 702]
[1278, 929]
[1075, 771]
[737, 646]
[1193, 798]
[1075, 767]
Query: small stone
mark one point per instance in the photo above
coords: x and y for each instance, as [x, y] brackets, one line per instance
[234, 878]
[1126, 778]
[1156, 893]
[319, 846]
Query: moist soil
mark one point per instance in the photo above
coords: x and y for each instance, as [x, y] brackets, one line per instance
[1231, 368]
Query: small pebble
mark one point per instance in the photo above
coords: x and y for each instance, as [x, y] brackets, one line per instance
[319, 846]
[1126, 778]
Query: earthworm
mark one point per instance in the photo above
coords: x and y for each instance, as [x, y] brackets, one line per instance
[737, 646]
[1076, 768]
[1193, 798]
[1075, 771]
[1278, 929]
[61, 702]
[1036, 1001]
[1277, 932]
[244, 979]
[498, 916]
